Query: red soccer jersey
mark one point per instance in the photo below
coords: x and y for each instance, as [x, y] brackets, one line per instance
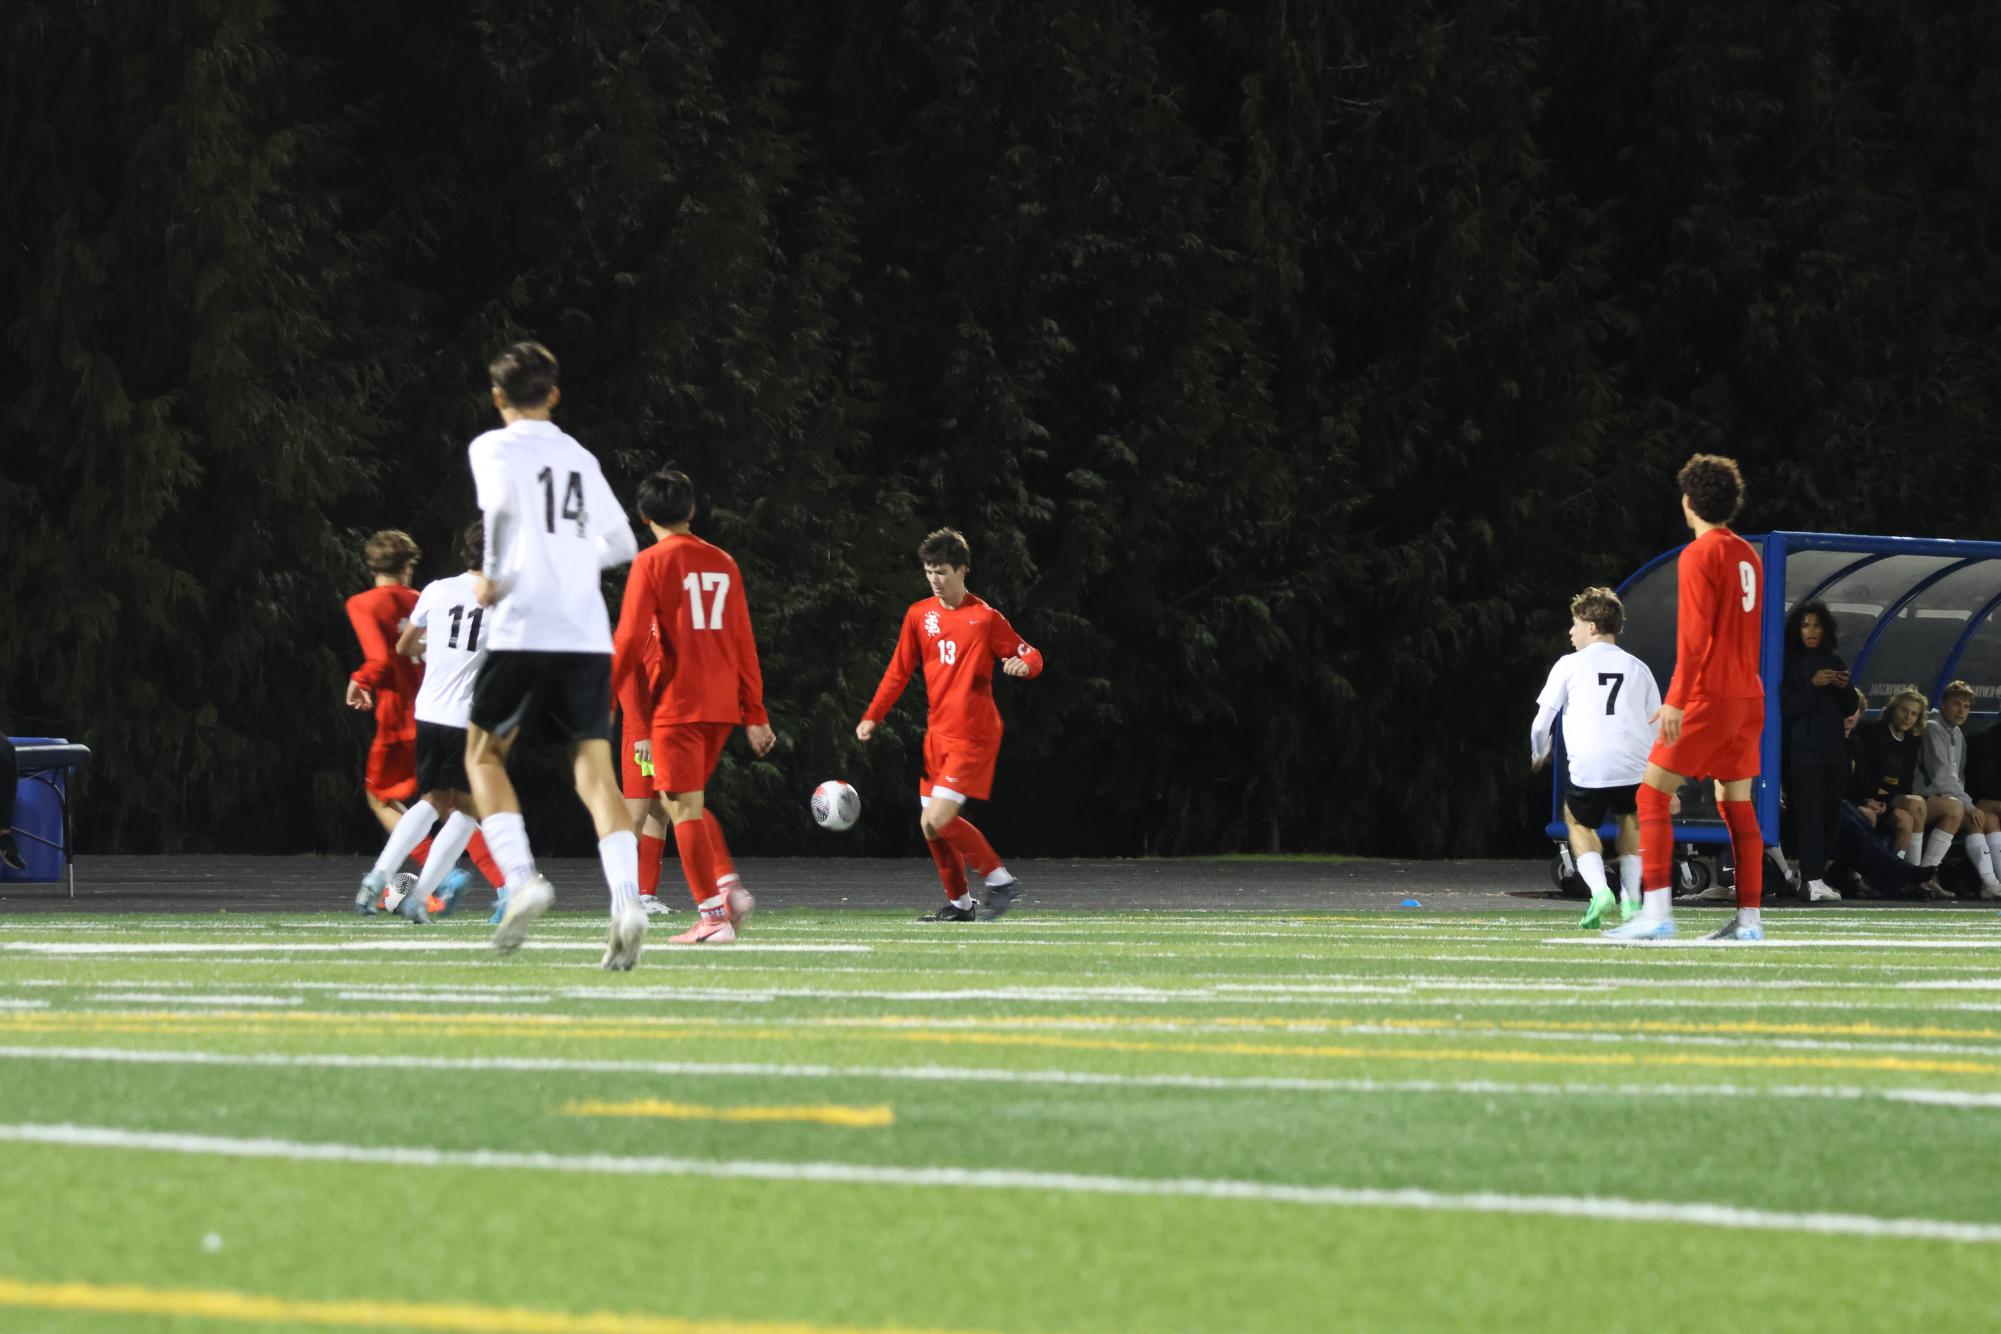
[1721, 586]
[377, 616]
[693, 592]
[958, 647]
[636, 696]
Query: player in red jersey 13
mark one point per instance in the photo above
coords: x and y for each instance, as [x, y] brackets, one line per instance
[709, 681]
[1714, 713]
[957, 638]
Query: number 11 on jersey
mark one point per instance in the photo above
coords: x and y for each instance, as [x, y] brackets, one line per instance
[717, 585]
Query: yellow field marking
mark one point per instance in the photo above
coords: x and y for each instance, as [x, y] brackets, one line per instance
[553, 1027]
[250, 1308]
[860, 1118]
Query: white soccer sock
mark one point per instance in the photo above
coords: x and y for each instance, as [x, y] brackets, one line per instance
[963, 901]
[1994, 852]
[716, 905]
[405, 837]
[1982, 859]
[507, 839]
[1913, 846]
[1591, 865]
[445, 849]
[1629, 879]
[1658, 903]
[618, 853]
[1937, 844]
[1747, 917]
[998, 878]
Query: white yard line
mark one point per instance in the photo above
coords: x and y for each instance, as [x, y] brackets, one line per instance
[952, 1074]
[961, 1178]
[84, 949]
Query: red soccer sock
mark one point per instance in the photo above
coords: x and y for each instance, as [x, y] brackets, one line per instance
[972, 845]
[652, 852]
[421, 852]
[1656, 839]
[951, 870]
[482, 857]
[698, 861]
[719, 848]
[1747, 852]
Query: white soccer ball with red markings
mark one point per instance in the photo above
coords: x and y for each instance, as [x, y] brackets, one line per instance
[836, 806]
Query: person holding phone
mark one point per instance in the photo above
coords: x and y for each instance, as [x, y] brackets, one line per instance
[1815, 700]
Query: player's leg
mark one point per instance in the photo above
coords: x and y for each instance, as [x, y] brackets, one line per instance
[963, 773]
[1588, 852]
[1627, 846]
[510, 685]
[410, 829]
[1747, 855]
[1654, 823]
[685, 757]
[938, 807]
[1983, 847]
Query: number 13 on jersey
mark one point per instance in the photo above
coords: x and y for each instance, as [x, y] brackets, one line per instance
[717, 586]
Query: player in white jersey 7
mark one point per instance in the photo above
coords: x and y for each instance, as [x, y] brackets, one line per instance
[452, 657]
[552, 524]
[1606, 697]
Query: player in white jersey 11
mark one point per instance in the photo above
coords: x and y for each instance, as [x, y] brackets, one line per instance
[440, 712]
[552, 524]
[1606, 697]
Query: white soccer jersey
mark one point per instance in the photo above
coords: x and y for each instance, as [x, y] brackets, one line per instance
[454, 646]
[552, 523]
[1606, 696]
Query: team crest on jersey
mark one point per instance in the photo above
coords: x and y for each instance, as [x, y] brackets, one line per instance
[931, 624]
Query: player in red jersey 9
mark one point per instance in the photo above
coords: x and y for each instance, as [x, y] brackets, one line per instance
[958, 639]
[1714, 713]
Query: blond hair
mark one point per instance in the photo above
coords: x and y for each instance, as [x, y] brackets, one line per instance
[390, 551]
[1601, 609]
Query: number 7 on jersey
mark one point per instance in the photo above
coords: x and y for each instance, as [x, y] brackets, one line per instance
[715, 584]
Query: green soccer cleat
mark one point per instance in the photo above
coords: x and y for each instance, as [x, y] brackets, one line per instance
[1628, 911]
[1594, 916]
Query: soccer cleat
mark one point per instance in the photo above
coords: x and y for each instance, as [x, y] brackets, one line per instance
[1594, 915]
[499, 906]
[1931, 891]
[371, 889]
[708, 931]
[623, 942]
[410, 905]
[739, 904]
[651, 905]
[457, 883]
[1000, 898]
[1737, 931]
[1822, 893]
[1990, 889]
[945, 912]
[1628, 909]
[1643, 927]
[523, 907]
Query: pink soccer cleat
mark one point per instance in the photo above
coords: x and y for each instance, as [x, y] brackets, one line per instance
[708, 931]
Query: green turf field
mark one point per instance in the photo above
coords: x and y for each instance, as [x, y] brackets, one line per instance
[1160, 1121]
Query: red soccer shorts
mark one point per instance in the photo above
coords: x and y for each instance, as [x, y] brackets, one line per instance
[962, 766]
[635, 785]
[392, 768]
[685, 754]
[1719, 739]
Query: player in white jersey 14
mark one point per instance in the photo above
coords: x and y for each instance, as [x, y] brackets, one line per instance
[1606, 697]
[552, 525]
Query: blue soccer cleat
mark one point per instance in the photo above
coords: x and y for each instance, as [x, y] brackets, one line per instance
[499, 906]
[1737, 931]
[1642, 928]
[455, 884]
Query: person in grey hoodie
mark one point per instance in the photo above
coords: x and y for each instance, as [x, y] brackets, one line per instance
[1942, 783]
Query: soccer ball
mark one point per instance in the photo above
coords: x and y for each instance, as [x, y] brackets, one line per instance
[394, 892]
[836, 805]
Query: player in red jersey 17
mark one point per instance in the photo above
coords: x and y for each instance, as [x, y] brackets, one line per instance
[709, 681]
[1714, 713]
[957, 638]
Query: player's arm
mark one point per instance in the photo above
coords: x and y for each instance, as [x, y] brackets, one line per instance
[636, 611]
[750, 676]
[1018, 656]
[1694, 635]
[609, 528]
[901, 664]
[1549, 704]
[490, 490]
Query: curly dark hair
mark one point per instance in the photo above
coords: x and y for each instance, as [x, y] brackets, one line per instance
[1830, 632]
[1714, 487]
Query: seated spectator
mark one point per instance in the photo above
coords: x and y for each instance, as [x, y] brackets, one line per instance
[1942, 783]
[1885, 757]
[1983, 775]
[1814, 699]
[1868, 868]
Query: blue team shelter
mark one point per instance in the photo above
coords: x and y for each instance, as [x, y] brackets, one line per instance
[1910, 611]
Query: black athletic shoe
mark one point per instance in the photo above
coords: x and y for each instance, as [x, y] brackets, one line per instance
[1000, 898]
[947, 913]
[10, 856]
